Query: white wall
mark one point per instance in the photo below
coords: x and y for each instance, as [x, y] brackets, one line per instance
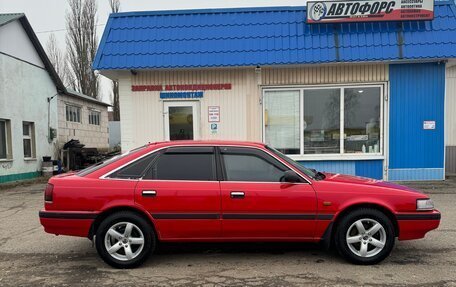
[450, 127]
[240, 108]
[24, 90]
[14, 41]
[450, 118]
[114, 134]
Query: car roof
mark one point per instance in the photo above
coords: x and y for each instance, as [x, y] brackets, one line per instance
[207, 142]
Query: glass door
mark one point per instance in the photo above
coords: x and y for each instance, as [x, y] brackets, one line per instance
[181, 121]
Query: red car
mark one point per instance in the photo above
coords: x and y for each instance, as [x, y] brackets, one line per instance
[216, 191]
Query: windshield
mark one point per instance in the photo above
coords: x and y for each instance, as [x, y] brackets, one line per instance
[307, 171]
[104, 163]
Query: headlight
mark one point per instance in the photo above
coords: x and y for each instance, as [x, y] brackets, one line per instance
[424, 204]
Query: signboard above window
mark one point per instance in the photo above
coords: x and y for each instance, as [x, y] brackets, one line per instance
[181, 95]
[369, 11]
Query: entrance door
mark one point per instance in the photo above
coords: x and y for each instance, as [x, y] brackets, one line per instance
[181, 120]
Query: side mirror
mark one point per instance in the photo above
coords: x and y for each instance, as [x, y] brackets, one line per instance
[290, 176]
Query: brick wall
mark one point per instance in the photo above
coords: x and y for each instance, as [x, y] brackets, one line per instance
[93, 136]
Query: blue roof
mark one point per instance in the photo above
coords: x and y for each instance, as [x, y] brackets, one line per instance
[265, 37]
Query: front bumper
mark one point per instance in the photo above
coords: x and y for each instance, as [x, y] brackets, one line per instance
[416, 225]
[67, 223]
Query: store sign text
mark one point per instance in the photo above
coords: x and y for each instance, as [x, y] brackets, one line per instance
[368, 11]
[189, 87]
[181, 95]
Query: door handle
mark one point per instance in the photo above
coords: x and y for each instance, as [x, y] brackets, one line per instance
[149, 193]
[237, 194]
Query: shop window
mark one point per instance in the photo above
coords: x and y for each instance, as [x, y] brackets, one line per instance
[94, 117]
[5, 139]
[28, 139]
[362, 120]
[73, 114]
[281, 120]
[310, 121]
[321, 121]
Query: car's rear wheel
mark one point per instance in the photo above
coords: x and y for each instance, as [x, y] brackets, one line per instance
[124, 240]
[365, 236]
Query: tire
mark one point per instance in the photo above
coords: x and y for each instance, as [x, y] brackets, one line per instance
[129, 237]
[369, 247]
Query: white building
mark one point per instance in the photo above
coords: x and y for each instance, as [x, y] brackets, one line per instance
[450, 128]
[30, 91]
[27, 80]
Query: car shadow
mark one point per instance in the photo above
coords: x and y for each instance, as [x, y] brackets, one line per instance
[177, 253]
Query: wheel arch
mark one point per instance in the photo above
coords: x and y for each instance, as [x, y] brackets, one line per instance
[328, 235]
[105, 213]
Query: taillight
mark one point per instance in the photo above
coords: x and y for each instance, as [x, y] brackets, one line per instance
[48, 192]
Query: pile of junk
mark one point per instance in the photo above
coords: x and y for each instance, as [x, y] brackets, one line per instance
[74, 156]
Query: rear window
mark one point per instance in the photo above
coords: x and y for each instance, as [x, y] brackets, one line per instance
[136, 169]
[104, 163]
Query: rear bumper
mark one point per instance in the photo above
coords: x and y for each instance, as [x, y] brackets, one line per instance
[416, 225]
[67, 223]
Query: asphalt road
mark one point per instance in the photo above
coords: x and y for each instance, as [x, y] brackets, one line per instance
[28, 256]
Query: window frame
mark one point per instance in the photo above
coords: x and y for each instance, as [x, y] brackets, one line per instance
[218, 162]
[151, 156]
[334, 156]
[8, 144]
[79, 108]
[248, 151]
[161, 152]
[97, 113]
[31, 137]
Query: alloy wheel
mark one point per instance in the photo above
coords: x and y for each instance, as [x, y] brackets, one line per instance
[366, 237]
[124, 241]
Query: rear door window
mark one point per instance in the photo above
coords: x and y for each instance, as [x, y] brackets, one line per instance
[184, 163]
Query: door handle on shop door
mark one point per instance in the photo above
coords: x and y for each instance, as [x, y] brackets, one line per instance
[237, 194]
[149, 193]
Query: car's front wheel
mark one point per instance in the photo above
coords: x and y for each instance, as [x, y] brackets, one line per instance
[124, 240]
[365, 236]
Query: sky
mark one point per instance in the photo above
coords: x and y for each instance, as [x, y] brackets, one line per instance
[48, 16]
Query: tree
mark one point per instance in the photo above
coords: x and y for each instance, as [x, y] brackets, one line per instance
[58, 60]
[115, 8]
[82, 44]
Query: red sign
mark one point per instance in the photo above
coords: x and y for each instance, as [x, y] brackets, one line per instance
[189, 87]
[369, 11]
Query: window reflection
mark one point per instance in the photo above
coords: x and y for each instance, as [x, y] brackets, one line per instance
[318, 125]
[281, 120]
[321, 121]
[362, 120]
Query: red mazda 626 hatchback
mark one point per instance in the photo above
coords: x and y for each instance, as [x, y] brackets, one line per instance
[229, 191]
